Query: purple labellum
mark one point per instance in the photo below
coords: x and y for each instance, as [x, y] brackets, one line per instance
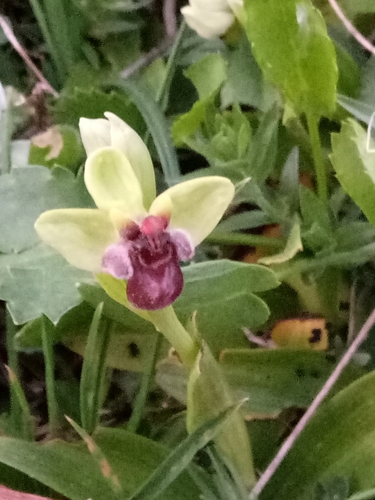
[148, 257]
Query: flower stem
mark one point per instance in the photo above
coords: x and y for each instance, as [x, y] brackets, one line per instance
[166, 322]
[316, 146]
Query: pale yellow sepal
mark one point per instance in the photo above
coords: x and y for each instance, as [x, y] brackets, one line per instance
[112, 183]
[79, 235]
[196, 206]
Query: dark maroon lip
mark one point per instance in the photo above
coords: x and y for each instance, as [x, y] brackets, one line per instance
[148, 256]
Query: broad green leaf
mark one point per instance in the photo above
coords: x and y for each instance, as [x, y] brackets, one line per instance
[366, 95]
[244, 84]
[27, 192]
[181, 457]
[59, 145]
[290, 43]
[38, 281]
[70, 470]
[271, 380]
[349, 80]
[344, 428]
[360, 109]
[93, 103]
[355, 166]
[207, 74]
[237, 276]
[186, 125]
[336, 488]
[99, 457]
[207, 396]
[72, 323]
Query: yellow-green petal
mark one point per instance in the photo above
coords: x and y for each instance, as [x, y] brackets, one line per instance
[112, 183]
[196, 205]
[79, 235]
[128, 141]
[95, 134]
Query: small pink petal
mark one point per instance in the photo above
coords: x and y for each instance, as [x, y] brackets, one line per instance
[184, 246]
[116, 261]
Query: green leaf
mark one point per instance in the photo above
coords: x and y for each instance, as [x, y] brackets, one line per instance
[38, 281]
[244, 84]
[100, 459]
[271, 380]
[92, 103]
[207, 74]
[181, 457]
[291, 45]
[336, 488]
[292, 247]
[207, 396]
[263, 150]
[23, 421]
[70, 470]
[94, 370]
[237, 276]
[361, 110]
[345, 429]
[158, 127]
[27, 192]
[59, 145]
[354, 166]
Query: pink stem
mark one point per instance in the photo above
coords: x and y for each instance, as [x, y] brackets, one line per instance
[8, 32]
[352, 30]
[288, 443]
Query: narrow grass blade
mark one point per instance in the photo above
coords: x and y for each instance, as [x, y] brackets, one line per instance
[181, 457]
[22, 420]
[157, 126]
[99, 457]
[94, 370]
[49, 367]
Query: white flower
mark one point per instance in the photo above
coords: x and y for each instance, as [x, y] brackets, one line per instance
[212, 18]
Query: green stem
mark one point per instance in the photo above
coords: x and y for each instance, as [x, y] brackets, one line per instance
[6, 136]
[162, 95]
[147, 379]
[11, 350]
[166, 322]
[49, 364]
[316, 146]
[250, 240]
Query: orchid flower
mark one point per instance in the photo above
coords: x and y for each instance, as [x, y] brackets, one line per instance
[134, 235]
[212, 18]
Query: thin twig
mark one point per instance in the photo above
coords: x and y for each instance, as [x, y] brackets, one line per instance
[169, 17]
[288, 443]
[148, 58]
[352, 29]
[11, 37]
